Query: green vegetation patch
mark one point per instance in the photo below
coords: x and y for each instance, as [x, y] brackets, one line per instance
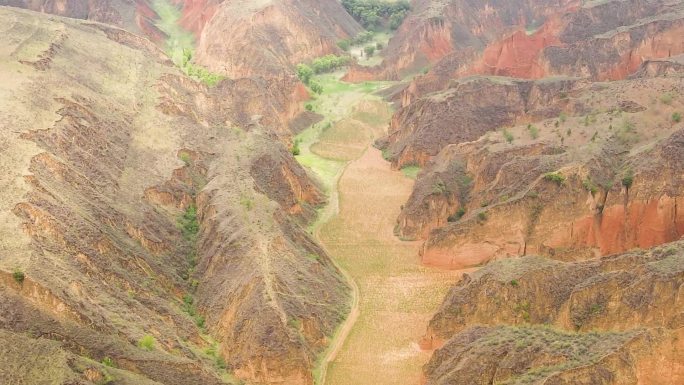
[180, 43]
[374, 14]
[411, 171]
[147, 342]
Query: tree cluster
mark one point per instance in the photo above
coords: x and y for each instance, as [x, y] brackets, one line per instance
[373, 14]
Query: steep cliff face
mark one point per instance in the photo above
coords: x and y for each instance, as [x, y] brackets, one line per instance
[271, 36]
[613, 320]
[602, 181]
[602, 41]
[136, 211]
[435, 29]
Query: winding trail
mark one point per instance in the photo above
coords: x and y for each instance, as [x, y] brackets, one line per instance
[394, 296]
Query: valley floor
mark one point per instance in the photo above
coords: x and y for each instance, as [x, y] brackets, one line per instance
[396, 294]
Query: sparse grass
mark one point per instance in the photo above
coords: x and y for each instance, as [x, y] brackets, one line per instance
[185, 157]
[555, 177]
[570, 350]
[108, 362]
[666, 98]
[246, 202]
[147, 342]
[509, 269]
[533, 131]
[507, 135]
[411, 171]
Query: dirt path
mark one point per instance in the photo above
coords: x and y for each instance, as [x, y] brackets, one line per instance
[395, 296]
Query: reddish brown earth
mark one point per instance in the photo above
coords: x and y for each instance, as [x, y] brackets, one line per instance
[603, 41]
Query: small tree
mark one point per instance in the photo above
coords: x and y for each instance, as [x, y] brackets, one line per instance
[304, 72]
[369, 50]
[344, 44]
[628, 179]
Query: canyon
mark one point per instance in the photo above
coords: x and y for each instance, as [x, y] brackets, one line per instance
[493, 196]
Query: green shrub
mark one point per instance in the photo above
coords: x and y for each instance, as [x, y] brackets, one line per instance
[533, 130]
[379, 46]
[369, 50]
[507, 135]
[676, 117]
[295, 147]
[304, 73]
[439, 188]
[308, 107]
[589, 186]
[147, 342]
[344, 44]
[457, 215]
[555, 177]
[108, 362]
[482, 216]
[329, 63]
[562, 117]
[363, 37]
[316, 87]
[189, 224]
[18, 276]
[628, 179]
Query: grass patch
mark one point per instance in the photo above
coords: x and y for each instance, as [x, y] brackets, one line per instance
[18, 276]
[410, 171]
[508, 136]
[147, 342]
[555, 177]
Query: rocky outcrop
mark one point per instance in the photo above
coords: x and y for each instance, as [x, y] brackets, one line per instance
[605, 321]
[272, 36]
[469, 108]
[137, 212]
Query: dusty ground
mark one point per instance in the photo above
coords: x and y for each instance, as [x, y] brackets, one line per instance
[397, 296]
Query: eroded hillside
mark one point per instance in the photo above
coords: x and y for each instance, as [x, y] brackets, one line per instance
[147, 218]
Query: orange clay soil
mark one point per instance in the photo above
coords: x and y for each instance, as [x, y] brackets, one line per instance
[397, 295]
